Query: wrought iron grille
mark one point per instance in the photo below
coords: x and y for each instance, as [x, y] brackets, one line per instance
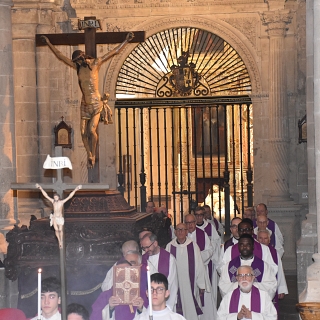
[172, 152]
[183, 61]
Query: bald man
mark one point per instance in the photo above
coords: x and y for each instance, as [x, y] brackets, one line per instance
[262, 224]
[192, 276]
[127, 248]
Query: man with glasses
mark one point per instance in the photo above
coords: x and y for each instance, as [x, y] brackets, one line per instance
[235, 234]
[261, 209]
[264, 275]
[246, 301]
[160, 260]
[260, 250]
[191, 273]
[262, 224]
[160, 294]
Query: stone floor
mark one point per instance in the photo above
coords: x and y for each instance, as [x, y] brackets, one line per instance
[288, 309]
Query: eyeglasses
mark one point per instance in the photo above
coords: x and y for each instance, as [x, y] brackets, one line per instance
[244, 275]
[245, 230]
[157, 290]
[199, 214]
[234, 226]
[145, 248]
[190, 222]
[181, 229]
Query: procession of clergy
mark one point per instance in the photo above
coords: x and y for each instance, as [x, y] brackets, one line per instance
[247, 269]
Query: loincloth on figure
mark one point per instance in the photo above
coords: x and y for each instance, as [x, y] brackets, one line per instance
[106, 112]
[58, 220]
[90, 110]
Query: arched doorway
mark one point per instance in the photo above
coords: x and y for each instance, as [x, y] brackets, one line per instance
[185, 123]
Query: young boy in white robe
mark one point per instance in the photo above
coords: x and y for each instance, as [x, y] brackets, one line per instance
[160, 294]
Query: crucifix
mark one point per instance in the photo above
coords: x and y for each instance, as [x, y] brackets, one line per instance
[59, 186]
[93, 105]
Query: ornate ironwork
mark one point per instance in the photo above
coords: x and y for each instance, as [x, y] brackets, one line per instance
[183, 62]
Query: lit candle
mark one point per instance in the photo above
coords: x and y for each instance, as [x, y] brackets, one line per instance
[149, 293]
[39, 293]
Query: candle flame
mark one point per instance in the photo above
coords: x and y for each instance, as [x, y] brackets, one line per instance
[148, 268]
[39, 270]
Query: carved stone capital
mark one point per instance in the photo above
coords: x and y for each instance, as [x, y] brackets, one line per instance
[276, 21]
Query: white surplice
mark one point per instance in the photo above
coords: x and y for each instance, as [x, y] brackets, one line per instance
[182, 258]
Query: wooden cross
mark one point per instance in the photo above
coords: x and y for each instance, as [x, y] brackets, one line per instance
[90, 39]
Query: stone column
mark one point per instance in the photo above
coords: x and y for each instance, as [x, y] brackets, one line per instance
[26, 115]
[7, 137]
[276, 22]
[310, 239]
[7, 143]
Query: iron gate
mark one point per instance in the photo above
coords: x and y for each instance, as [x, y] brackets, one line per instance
[172, 152]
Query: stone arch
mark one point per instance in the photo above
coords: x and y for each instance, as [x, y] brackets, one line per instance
[221, 28]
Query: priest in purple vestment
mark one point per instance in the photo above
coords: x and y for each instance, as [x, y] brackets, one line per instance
[246, 301]
[108, 306]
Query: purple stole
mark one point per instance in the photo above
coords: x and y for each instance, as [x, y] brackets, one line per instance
[257, 250]
[272, 227]
[216, 223]
[208, 231]
[227, 244]
[255, 300]
[164, 261]
[192, 272]
[274, 255]
[257, 266]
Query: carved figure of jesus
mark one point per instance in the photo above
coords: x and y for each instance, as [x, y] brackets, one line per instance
[91, 103]
[57, 219]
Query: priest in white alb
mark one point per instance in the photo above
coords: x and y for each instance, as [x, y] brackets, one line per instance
[200, 237]
[264, 275]
[191, 273]
[246, 301]
[161, 261]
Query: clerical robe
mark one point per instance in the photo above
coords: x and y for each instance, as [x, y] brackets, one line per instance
[265, 279]
[229, 243]
[219, 227]
[260, 250]
[101, 310]
[209, 229]
[201, 238]
[165, 314]
[191, 277]
[258, 301]
[277, 243]
[273, 226]
[165, 263]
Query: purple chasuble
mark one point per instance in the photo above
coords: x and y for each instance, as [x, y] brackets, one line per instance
[122, 312]
[164, 261]
[192, 272]
[257, 266]
[255, 300]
